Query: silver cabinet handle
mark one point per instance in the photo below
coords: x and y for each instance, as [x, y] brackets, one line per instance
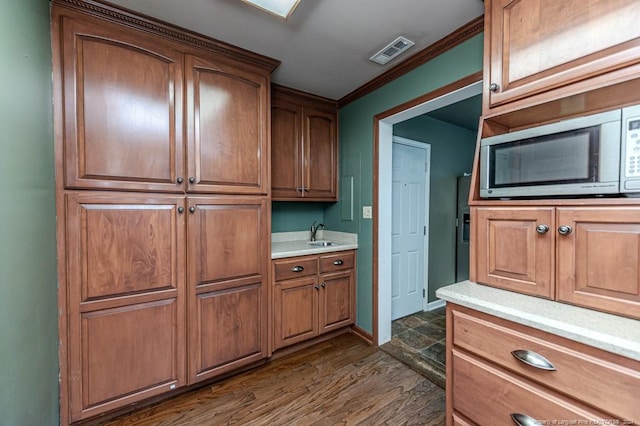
[524, 420]
[323, 285]
[300, 189]
[338, 262]
[533, 359]
[542, 229]
[180, 209]
[297, 268]
[494, 87]
[564, 230]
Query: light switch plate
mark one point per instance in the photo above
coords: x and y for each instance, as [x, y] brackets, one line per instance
[366, 212]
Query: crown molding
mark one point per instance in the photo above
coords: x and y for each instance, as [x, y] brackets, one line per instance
[154, 26]
[450, 41]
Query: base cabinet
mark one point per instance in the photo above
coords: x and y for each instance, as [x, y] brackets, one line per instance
[312, 295]
[489, 381]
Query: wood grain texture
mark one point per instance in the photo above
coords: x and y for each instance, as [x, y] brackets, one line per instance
[320, 152]
[286, 151]
[341, 381]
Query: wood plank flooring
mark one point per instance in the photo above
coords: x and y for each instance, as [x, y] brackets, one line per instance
[342, 381]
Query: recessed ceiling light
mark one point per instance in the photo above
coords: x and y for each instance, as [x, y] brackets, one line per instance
[281, 8]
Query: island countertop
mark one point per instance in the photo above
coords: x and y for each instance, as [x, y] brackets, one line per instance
[292, 244]
[608, 332]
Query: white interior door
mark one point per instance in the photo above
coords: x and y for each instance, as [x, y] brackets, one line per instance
[408, 227]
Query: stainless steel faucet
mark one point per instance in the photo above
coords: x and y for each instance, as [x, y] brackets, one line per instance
[314, 229]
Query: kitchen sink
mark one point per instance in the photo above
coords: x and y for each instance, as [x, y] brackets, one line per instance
[322, 243]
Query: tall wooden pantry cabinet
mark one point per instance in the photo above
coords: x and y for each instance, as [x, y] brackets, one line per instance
[163, 177]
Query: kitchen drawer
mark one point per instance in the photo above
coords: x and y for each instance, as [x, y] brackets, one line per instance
[295, 267]
[489, 396]
[586, 377]
[337, 262]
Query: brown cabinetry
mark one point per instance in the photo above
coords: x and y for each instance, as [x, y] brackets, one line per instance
[312, 295]
[163, 277]
[304, 163]
[596, 250]
[492, 378]
[544, 50]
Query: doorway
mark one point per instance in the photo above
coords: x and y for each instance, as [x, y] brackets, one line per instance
[383, 149]
[409, 228]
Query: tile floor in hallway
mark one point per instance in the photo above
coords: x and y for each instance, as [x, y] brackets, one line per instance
[418, 340]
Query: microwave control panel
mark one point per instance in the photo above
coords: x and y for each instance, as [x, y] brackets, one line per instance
[630, 164]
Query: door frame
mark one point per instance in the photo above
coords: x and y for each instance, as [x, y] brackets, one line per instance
[427, 180]
[382, 176]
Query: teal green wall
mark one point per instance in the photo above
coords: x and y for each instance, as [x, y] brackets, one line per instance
[28, 295]
[295, 216]
[356, 150]
[452, 150]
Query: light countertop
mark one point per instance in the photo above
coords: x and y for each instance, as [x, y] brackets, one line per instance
[604, 331]
[291, 244]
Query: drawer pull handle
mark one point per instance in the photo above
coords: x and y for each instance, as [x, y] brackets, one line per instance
[338, 262]
[533, 359]
[524, 420]
[297, 269]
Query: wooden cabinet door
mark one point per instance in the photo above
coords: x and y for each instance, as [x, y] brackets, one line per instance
[320, 152]
[228, 252]
[122, 92]
[539, 45]
[599, 261]
[228, 128]
[295, 307]
[337, 300]
[286, 150]
[126, 304]
[512, 253]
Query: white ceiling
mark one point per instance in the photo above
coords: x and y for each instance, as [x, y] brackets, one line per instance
[326, 44]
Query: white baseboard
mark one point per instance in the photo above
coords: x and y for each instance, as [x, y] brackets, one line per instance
[437, 304]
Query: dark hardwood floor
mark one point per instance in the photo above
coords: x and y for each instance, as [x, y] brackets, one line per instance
[342, 381]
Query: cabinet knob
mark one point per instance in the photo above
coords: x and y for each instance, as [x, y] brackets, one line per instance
[192, 180]
[338, 262]
[180, 179]
[542, 229]
[564, 230]
[323, 285]
[317, 287]
[494, 87]
[300, 189]
[533, 359]
[180, 209]
[297, 268]
[524, 420]
[192, 209]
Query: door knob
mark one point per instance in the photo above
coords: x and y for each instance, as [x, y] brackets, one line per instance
[180, 180]
[494, 87]
[542, 229]
[192, 180]
[192, 209]
[564, 230]
[180, 209]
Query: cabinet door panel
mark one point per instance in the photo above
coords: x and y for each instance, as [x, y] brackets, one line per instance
[228, 260]
[125, 354]
[229, 331]
[599, 262]
[228, 125]
[296, 311]
[320, 155]
[542, 44]
[286, 151]
[337, 301]
[511, 254]
[123, 97]
[123, 245]
[227, 239]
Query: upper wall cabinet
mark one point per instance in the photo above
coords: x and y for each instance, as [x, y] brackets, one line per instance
[304, 144]
[124, 120]
[555, 49]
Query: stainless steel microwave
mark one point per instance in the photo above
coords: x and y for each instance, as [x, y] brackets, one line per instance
[592, 155]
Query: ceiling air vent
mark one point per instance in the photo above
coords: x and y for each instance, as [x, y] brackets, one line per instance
[391, 50]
